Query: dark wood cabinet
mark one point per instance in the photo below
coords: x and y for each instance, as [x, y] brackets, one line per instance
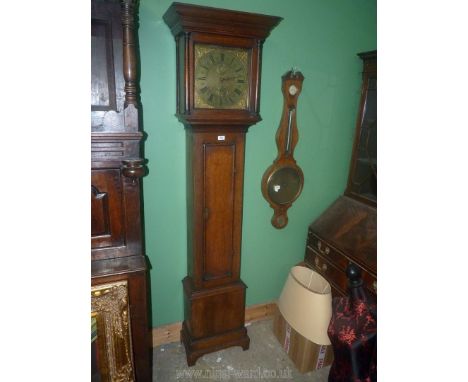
[362, 180]
[218, 85]
[118, 264]
[346, 232]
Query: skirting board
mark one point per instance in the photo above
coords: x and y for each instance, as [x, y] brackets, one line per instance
[166, 334]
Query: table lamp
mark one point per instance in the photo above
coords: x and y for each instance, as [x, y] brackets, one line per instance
[306, 304]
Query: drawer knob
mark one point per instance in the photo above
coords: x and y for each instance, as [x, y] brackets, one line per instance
[326, 250]
[323, 267]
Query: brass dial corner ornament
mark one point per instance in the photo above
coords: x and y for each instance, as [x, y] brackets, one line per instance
[282, 182]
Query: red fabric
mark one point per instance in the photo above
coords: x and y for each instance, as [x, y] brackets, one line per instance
[353, 334]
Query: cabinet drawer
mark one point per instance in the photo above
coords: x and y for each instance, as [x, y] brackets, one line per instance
[332, 274]
[323, 248]
[336, 276]
[370, 282]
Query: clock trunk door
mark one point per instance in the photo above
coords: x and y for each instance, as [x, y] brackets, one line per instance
[219, 176]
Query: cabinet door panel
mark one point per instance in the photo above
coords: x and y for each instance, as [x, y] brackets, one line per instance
[219, 176]
[107, 80]
[107, 228]
[102, 76]
[99, 213]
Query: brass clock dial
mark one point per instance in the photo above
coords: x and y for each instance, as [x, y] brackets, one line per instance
[221, 77]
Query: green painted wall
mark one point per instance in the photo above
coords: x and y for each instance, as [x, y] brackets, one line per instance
[320, 38]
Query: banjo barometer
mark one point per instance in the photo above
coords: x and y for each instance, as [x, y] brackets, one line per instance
[282, 182]
[218, 58]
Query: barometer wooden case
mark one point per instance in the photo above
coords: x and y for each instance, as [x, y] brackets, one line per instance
[218, 86]
[282, 182]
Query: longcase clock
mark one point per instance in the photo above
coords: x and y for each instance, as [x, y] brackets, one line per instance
[218, 87]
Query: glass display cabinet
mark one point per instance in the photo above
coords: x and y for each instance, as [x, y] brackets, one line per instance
[362, 181]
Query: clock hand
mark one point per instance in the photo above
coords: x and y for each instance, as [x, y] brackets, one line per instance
[228, 78]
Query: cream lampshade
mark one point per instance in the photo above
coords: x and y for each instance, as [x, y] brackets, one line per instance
[306, 304]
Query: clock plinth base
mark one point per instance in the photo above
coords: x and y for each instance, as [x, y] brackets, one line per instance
[195, 349]
[214, 319]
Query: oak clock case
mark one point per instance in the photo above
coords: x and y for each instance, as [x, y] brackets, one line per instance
[118, 265]
[218, 55]
[282, 182]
